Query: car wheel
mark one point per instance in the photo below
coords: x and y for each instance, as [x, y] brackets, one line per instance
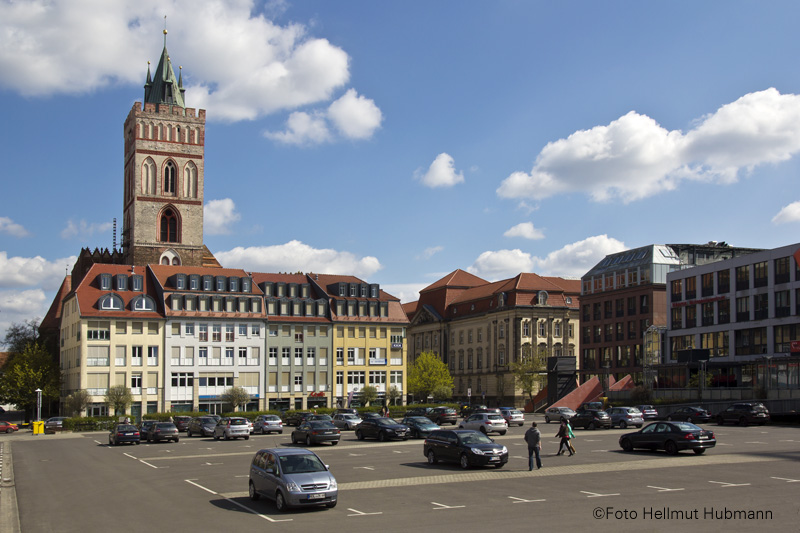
[334, 442]
[464, 461]
[280, 502]
[432, 460]
[483, 430]
[499, 465]
[330, 505]
[742, 421]
[10, 430]
[254, 495]
[670, 447]
[280, 432]
[189, 433]
[623, 424]
[308, 440]
[177, 439]
[381, 436]
[591, 426]
[246, 438]
[626, 445]
[137, 442]
[720, 421]
[359, 435]
[227, 437]
[263, 432]
[216, 437]
[502, 433]
[460, 426]
[547, 419]
[699, 451]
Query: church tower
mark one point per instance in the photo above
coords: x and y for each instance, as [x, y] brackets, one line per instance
[163, 197]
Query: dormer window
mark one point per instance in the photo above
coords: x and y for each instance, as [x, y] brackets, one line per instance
[363, 291]
[542, 297]
[353, 290]
[122, 282]
[194, 282]
[207, 283]
[143, 303]
[373, 291]
[105, 282]
[234, 284]
[110, 302]
[180, 282]
[245, 284]
[342, 289]
[569, 300]
[136, 282]
[220, 283]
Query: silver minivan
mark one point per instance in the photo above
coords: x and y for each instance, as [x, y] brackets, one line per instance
[293, 477]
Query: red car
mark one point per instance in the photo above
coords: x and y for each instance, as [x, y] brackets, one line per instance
[8, 427]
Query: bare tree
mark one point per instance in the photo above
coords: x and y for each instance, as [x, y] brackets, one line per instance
[77, 402]
[236, 396]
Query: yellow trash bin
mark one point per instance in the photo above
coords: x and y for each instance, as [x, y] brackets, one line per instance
[38, 427]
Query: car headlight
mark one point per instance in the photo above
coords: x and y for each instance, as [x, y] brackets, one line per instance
[333, 485]
[476, 451]
[292, 486]
[504, 450]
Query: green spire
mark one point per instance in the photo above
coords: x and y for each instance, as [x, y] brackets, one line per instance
[164, 88]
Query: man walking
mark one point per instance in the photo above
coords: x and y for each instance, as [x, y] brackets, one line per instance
[534, 439]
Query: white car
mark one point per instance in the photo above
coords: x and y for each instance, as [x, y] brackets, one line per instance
[512, 416]
[346, 420]
[485, 423]
[557, 414]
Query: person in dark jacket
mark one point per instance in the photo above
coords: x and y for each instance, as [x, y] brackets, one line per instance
[563, 433]
[534, 439]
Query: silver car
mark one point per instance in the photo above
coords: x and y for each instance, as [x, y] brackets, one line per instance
[513, 416]
[625, 416]
[293, 477]
[557, 414]
[346, 420]
[268, 424]
[232, 428]
[485, 423]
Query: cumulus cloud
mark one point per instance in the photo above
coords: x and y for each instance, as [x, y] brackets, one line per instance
[790, 213]
[239, 64]
[83, 230]
[525, 230]
[406, 292]
[19, 306]
[573, 260]
[441, 173]
[36, 271]
[219, 216]
[295, 256]
[10, 227]
[302, 128]
[634, 157]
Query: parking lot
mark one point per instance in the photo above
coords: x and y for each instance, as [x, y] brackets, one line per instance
[200, 483]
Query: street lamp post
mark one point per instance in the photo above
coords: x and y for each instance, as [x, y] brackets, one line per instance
[38, 404]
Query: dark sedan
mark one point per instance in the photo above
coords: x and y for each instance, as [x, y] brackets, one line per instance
[163, 431]
[466, 447]
[690, 414]
[591, 419]
[420, 426]
[671, 437]
[181, 422]
[382, 429]
[316, 432]
[296, 418]
[123, 433]
[202, 426]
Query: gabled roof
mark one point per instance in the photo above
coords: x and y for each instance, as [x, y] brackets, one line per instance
[163, 88]
[163, 272]
[326, 280]
[52, 320]
[88, 293]
[456, 279]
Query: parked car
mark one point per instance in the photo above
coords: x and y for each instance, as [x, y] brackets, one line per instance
[181, 422]
[370, 414]
[326, 418]
[346, 421]
[590, 419]
[671, 437]
[123, 433]
[268, 424]
[382, 429]
[145, 427]
[464, 446]
[53, 424]
[744, 413]
[625, 416]
[419, 411]
[513, 416]
[295, 418]
[558, 414]
[232, 428]
[690, 414]
[202, 426]
[293, 477]
[443, 415]
[346, 411]
[420, 426]
[8, 427]
[648, 412]
[468, 409]
[163, 431]
[316, 432]
[485, 423]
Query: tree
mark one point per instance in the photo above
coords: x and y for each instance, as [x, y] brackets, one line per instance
[394, 395]
[442, 393]
[369, 394]
[427, 374]
[26, 371]
[236, 396]
[530, 370]
[77, 402]
[118, 398]
[18, 336]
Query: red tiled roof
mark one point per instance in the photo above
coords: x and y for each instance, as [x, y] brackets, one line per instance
[88, 293]
[456, 278]
[52, 320]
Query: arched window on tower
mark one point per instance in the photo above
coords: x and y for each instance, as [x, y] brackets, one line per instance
[169, 178]
[169, 226]
[190, 181]
[148, 176]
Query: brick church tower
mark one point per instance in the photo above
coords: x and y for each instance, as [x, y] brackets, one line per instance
[163, 197]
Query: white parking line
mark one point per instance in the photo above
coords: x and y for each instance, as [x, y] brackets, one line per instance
[661, 489]
[787, 480]
[364, 467]
[191, 482]
[521, 500]
[726, 484]
[359, 513]
[443, 506]
[246, 508]
[597, 495]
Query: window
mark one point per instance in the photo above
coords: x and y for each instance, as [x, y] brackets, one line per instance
[105, 282]
[691, 288]
[111, 302]
[144, 303]
[782, 304]
[243, 330]
[782, 270]
[743, 309]
[557, 328]
[707, 285]
[743, 278]
[723, 281]
[724, 311]
[542, 328]
[136, 355]
[339, 356]
[229, 332]
[169, 226]
[152, 356]
[761, 306]
[677, 290]
[169, 178]
[760, 274]
[216, 332]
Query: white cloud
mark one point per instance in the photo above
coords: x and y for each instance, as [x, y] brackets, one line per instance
[239, 64]
[10, 227]
[573, 260]
[302, 128]
[356, 117]
[84, 230]
[33, 271]
[441, 173]
[407, 292]
[525, 230]
[633, 157]
[429, 252]
[790, 213]
[219, 216]
[18, 306]
[295, 256]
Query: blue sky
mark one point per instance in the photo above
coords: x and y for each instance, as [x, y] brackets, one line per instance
[398, 141]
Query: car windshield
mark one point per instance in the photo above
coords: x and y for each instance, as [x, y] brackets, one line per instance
[208, 420]
[633, 411]
[474, 438]
[495, 417]
[301, 464]
[421, 420]
[126, 428]
[686, 426]
[350, 417]
[386, 421]
[271, 418]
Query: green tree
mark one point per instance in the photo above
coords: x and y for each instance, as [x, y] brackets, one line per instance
[442, 393]
[77, 402]
[238, 397]
[369, 394]
[19, 336]
[530, 370]
[118, 398]
[26, 371]
[427, 374]
[394, 395]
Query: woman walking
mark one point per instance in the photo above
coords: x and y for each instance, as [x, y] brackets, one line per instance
[563, 433]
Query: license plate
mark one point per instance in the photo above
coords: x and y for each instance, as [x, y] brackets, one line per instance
[316, 496]
[128, 434]
[703, 437]
[494, 458]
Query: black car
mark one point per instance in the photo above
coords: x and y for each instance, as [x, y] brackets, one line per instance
[443, 415]
[181, 422]
[202, 426]
[419, 411]
[296, 418]
[690, 414]
[590, 419]
[420, 426]
[744, 413]
[123, 433]
[163, 431]
[671, 437]
[382, 429]
[468, 409]
[145, 427]
[369, 414]
[464, 446]
[316, 432]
